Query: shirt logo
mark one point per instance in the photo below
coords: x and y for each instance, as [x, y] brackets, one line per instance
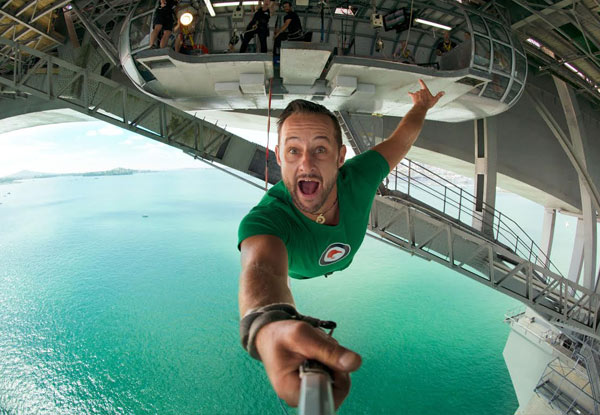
[334, 253]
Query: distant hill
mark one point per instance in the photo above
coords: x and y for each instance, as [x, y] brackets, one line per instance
[27, 174]
[119, 171]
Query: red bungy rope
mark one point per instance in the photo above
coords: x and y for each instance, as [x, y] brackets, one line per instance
[268, 134]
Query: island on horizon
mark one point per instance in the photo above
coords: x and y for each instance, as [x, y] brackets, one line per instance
[27, 174]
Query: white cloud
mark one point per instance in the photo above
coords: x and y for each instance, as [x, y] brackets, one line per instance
[55, 149]
[152, 146]
[111, 130]
[133, 139]
[108, 130]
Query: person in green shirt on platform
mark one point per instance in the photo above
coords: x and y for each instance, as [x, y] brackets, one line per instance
[311, 224]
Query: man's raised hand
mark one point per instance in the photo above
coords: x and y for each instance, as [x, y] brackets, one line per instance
[423, 97]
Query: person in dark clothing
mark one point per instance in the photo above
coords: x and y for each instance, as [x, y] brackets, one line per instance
[445, 45]
[164, 19]
[259, 25]
[291, 29]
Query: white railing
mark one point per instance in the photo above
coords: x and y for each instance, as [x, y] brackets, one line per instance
[421, 183]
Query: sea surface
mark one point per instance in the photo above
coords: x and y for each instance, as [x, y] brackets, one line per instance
[118, 295]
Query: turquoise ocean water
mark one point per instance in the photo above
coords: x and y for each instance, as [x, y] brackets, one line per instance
[103, 310]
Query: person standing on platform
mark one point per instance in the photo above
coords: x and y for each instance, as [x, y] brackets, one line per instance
[404, 54]
[259, 25]
[445, 45]
[291, 29]
[164, 19]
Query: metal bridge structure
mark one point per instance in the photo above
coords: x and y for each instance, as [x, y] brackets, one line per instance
[57, 55]
[506, 260]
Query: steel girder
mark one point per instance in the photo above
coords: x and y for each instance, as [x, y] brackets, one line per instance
[44, 76]
[424, 233]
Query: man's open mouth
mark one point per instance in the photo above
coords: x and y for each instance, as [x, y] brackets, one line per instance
[308, 187]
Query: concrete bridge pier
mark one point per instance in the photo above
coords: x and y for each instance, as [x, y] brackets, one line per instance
[547, 236]
[590, 197]
[486, 169]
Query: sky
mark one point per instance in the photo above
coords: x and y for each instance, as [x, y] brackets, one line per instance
[86, 146]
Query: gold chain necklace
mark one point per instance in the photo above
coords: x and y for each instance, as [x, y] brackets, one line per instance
[321, 217]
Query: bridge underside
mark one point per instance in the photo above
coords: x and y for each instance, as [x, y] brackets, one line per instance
[545, 147]
[488, 258]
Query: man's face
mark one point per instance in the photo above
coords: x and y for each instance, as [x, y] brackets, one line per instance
[287, 8]
[447, 36]
[309, 158]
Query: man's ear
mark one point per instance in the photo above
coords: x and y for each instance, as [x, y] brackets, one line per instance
[342, 156]
[277, 155]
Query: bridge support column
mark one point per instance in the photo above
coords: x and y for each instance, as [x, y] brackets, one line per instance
[71, 30]
[547, 236]
[588, 190]
[485, 132]
[577, 255]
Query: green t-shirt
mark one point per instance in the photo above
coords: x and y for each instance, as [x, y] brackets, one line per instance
[315, 249]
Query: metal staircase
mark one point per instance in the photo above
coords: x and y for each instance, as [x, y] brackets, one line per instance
[591, 355]
[568, 384]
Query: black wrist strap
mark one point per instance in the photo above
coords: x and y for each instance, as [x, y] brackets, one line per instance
[257, 319]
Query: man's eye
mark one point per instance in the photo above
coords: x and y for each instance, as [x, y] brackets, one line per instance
[293, 150]
[321, 150]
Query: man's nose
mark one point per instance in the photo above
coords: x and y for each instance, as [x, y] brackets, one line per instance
[307, 163]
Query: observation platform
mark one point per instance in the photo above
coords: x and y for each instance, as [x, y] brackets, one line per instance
[482, 75]
[353, 84]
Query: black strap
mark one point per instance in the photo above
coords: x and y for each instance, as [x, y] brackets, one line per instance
[257, 319]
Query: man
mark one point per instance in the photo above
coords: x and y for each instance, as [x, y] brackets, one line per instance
[291, 28]
[164, 18]
[404, 53]
[309, 224]
[259, 25]
[445, 45]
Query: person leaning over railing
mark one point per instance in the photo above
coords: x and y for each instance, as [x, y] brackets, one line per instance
[404, 54]
[259, 25]
[291, 28]
[445, 45]
[311, 224]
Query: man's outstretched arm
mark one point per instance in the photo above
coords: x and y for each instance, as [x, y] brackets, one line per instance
[263, 280]
[396, 146]
[284, 345]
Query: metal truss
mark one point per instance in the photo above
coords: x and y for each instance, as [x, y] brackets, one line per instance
[427, 233]
[41, 75]
[565, 143]
[102, 17]
[424, 214]
[567, 386]
[29, 24]
[99, 36]
[567, 48]
[25, 25]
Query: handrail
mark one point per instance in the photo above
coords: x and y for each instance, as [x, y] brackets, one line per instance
[455, 199]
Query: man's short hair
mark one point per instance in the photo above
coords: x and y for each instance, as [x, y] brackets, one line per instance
[286, 2]
[301, 106]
